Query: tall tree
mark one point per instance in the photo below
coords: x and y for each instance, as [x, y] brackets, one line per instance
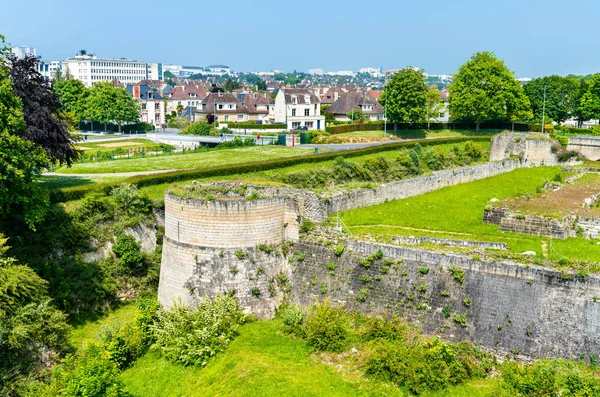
[42, 111]
[72, 94]
[261, 85]
[580, 112]
[405, 96]
[434, 105]
[484, 89]
[109, 104]
[231, 85]
[559, 97]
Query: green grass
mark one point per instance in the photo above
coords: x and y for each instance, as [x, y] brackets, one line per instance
[262, 361]
[183, 161]
[413, 134]
[83, 334]
[456, 212]
[135, 143]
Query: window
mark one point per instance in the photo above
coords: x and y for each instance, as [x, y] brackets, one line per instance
[295, 124]
[293, 100]
[307, 112]
[157, 106]
[150, 95]
[293, 112]
[230, 106]
[240, 117]
[309, 125]
[226, 117]
[220, 106]
[306, 98]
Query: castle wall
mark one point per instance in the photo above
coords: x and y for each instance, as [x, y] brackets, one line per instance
[589, 146]
[417, 186]
[512, 307]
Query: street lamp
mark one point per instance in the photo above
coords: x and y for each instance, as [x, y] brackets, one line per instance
[385, 108]
[544, 111]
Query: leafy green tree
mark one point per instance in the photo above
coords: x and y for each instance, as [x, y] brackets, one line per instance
[405, 96]
[261, 85]
[29, 325]
[579, 112]
[484, 89]
[231, 85]
[107, 103]
[434, 105]
[356, 115]
[590, 101]
[73, 95]
[559, 97]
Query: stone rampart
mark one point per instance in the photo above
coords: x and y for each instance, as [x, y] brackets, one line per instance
[528, 224]
[417, 186]
[507, 306]
[589, 146]
[450, 242]
[532, 148]
[590, 226]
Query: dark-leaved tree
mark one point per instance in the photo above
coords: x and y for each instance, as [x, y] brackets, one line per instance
[42, 111]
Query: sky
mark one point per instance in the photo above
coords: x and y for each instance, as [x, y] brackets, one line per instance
[534, 38]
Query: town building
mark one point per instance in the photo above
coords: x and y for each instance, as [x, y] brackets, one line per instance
[182, 96]
[224, 106]
[49, 69]
[153, 103]
[374, 72]
[90, 69]
[297, 108]
[353, 101]
[22, 51]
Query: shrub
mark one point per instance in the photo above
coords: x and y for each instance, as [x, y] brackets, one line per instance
[241, 255]
[424, 364]
[198, 128]
[549, 378]
[307, 226]
[294, 319]
[423, 270]
[566, 156]
[458, 274]
[326, 327]
[362, 295]
[460, 319]
[127, 249]
[331, 267]
[129, 199]
[366, 278]
[193, 337]
[339, 250]
[392, 329]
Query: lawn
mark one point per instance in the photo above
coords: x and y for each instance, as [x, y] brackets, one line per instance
[83, 334]
[456, 212]
[262, 361]
[182, 161]
[377, 136]
[118, 145]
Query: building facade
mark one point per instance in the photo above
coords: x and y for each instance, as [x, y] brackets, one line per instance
[297, 108]
[153, 104]
[90, 69]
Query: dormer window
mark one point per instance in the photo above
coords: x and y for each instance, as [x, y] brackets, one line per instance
[150, 94]
[192, 95]
[306, 98]
[293, 100]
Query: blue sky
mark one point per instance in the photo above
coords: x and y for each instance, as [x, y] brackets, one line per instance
[534, 37]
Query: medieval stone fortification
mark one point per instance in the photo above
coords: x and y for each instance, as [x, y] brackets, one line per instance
[252, 248]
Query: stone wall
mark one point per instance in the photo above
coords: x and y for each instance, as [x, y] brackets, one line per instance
[417, 186]
[590, 226]
[528, 224]
[230, 224]
[524, 145]
[450, 242]
[512, 307]
[589, 146]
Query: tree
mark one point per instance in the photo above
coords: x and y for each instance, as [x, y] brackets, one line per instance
[433, 105]
[484, 89]
[179, 109]
[590, 101]
[231, 85]
[109, 104]
[405, 96]
[559, 97]
[73, 95]
[356, 115]
[261, 85]
[580, 112]
[42, 111]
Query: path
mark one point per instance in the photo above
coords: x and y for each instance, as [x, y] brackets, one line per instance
[115, 174]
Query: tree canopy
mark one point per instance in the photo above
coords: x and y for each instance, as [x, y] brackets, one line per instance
[405, 96]
[560, 94]
[46, 124]
[109, 104]
[434, 105]
[484, 89]
[73, 95]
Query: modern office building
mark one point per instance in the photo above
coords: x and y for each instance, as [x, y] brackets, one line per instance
[22, 51]
[90, 69]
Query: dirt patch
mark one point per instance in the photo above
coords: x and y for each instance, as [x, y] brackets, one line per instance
[568, 200]
[119, 144]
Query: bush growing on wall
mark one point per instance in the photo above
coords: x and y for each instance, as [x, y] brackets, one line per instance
[128, 251]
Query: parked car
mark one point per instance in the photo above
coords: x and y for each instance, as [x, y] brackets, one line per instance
[300, 129]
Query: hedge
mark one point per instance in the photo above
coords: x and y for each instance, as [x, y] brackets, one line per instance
[135, 127]
[78, 192]
[254, 126]
[578, 131]
[377, 126]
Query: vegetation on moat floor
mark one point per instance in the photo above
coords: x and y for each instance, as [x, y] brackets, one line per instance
[377, 136]
[456, 213]
[304, 352]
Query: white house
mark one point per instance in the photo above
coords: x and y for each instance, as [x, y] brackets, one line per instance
[153, 104]
[297, 108]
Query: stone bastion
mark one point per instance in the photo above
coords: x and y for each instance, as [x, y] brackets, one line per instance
[212, 235]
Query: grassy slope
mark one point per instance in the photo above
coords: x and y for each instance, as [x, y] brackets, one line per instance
[456, 212]
[95, 147]
[181, 161]
[413, 134]
[262, 362]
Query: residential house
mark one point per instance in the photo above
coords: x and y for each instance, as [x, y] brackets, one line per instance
[258, 105]
[297, 108]
[356, 101]
[224, 106]
[153, 103]
[188, 94]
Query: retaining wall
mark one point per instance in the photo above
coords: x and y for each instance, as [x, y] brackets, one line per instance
[417, 186]
[589, 146]
[528, 224]
[533, 310]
